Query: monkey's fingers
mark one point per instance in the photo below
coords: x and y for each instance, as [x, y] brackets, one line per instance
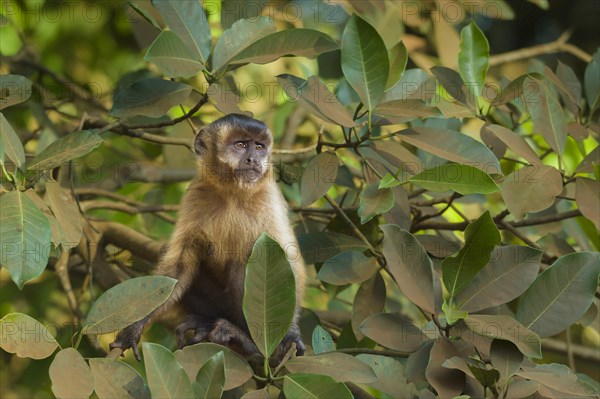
[136, 352]
[300, 349]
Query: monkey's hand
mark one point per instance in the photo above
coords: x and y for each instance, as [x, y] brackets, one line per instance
[129, 338]
[293, 336]
[198, 325]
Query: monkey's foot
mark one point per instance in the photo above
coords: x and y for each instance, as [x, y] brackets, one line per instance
[228, 334]
[292, 337]
[197, 324]
[129, 338]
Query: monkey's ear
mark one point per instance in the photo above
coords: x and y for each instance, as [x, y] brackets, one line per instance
[200, 145]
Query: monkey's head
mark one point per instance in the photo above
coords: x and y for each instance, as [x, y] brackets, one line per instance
[234, 148]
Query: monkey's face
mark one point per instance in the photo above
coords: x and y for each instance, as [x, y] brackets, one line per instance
[246, 157]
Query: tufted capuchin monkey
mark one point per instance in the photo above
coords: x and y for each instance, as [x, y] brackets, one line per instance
[230, 202]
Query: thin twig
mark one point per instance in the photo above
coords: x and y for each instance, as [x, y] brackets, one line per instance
[62, 271]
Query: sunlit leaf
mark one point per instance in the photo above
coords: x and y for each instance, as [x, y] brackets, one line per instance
[415, 84]
[211, 377]
[192, 357]
[473, 59]
[188, 21]
[314, 95]
[166, 377]
[26, 337]
[393, 331]
[25, 237]
[454, 85]
[506, 328]
[374, 201]
[269, 294]
[71, 146]
[398, 57]
[14, 89]
[171, 55]
[339, 366]
[364, 61]
[70, 375]
[587, 196]
[347, 267]
[561, 294]
[459, 270]
[318, 176]
[463, 179]
[149, 97]
[141, 294]
[11, 144]
[310, 386]
[515, 142]
[532, 188]
[114, 379]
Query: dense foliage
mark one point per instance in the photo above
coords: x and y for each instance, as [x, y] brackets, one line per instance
[448, 216]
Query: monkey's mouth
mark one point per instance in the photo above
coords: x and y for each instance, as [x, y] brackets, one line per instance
[251, 173]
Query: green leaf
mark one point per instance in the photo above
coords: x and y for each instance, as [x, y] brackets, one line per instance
[11, 143]
[453, 313]
[14, 89]
[398, 57]
[166, 377]
[172, 56]
[320, 246]
[26, 337]
[192, 357]
[587, 196]
[473, 59]
[391, 375]
[508, 329]
[369, 299]
[506, 358]
[114, 379]
[147, 15]
[211, 378]
[511, 270]
[448, 383]
[592, 81]
[515, 142]
[321, 341]
[561, 294]
[309, 386]
[242, 34]
[365, 61]
[453, 146]
[25, 237]
[297, 42]
[188, 21]
[70, 375]
[318, 176]
[454, 85]
[269, 294]
[559, 378]
[415, 84]
[149, 97]
[340, 366]
[66, 212]
[347, 268]
[374, 201]
[458, 270]
[72, 146]
[393, 331]
[532, 188]
[141, 294]
[410, 265]
[463, 179]
[388, 181]
[314, 95]
[547, 113]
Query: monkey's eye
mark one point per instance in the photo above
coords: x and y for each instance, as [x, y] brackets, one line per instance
[240, 145]
[260, 147]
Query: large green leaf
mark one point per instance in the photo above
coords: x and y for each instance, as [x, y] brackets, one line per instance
[410, 265]
[453, 146]
[242, 34]
[532, 188]
[347, 267]
[546, 112]
[269, 294]
[298, 42]
[592, 81]
[70, 375]
[515, 142]
[506, 328]
[318, 176]
[415, 84]
[149, 97]
[393, 331]
[463, 179]
[365, 61]
[509, 273]
[473, 59]
[141, 294]
[560, 380]
[188, 21]
[26, 337]
[340, 366]
[172, 56]
[211, 378]
[320, 246]
[117, 380]
[458, 270]
[25, 237]
[561, 294]
[314, 95]
[505, 357]
[192, 357]
[14, 89]
[374, 201]
[10, 143]
[311, 386]
[398, 57]
[166, 377]
[72, 146]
